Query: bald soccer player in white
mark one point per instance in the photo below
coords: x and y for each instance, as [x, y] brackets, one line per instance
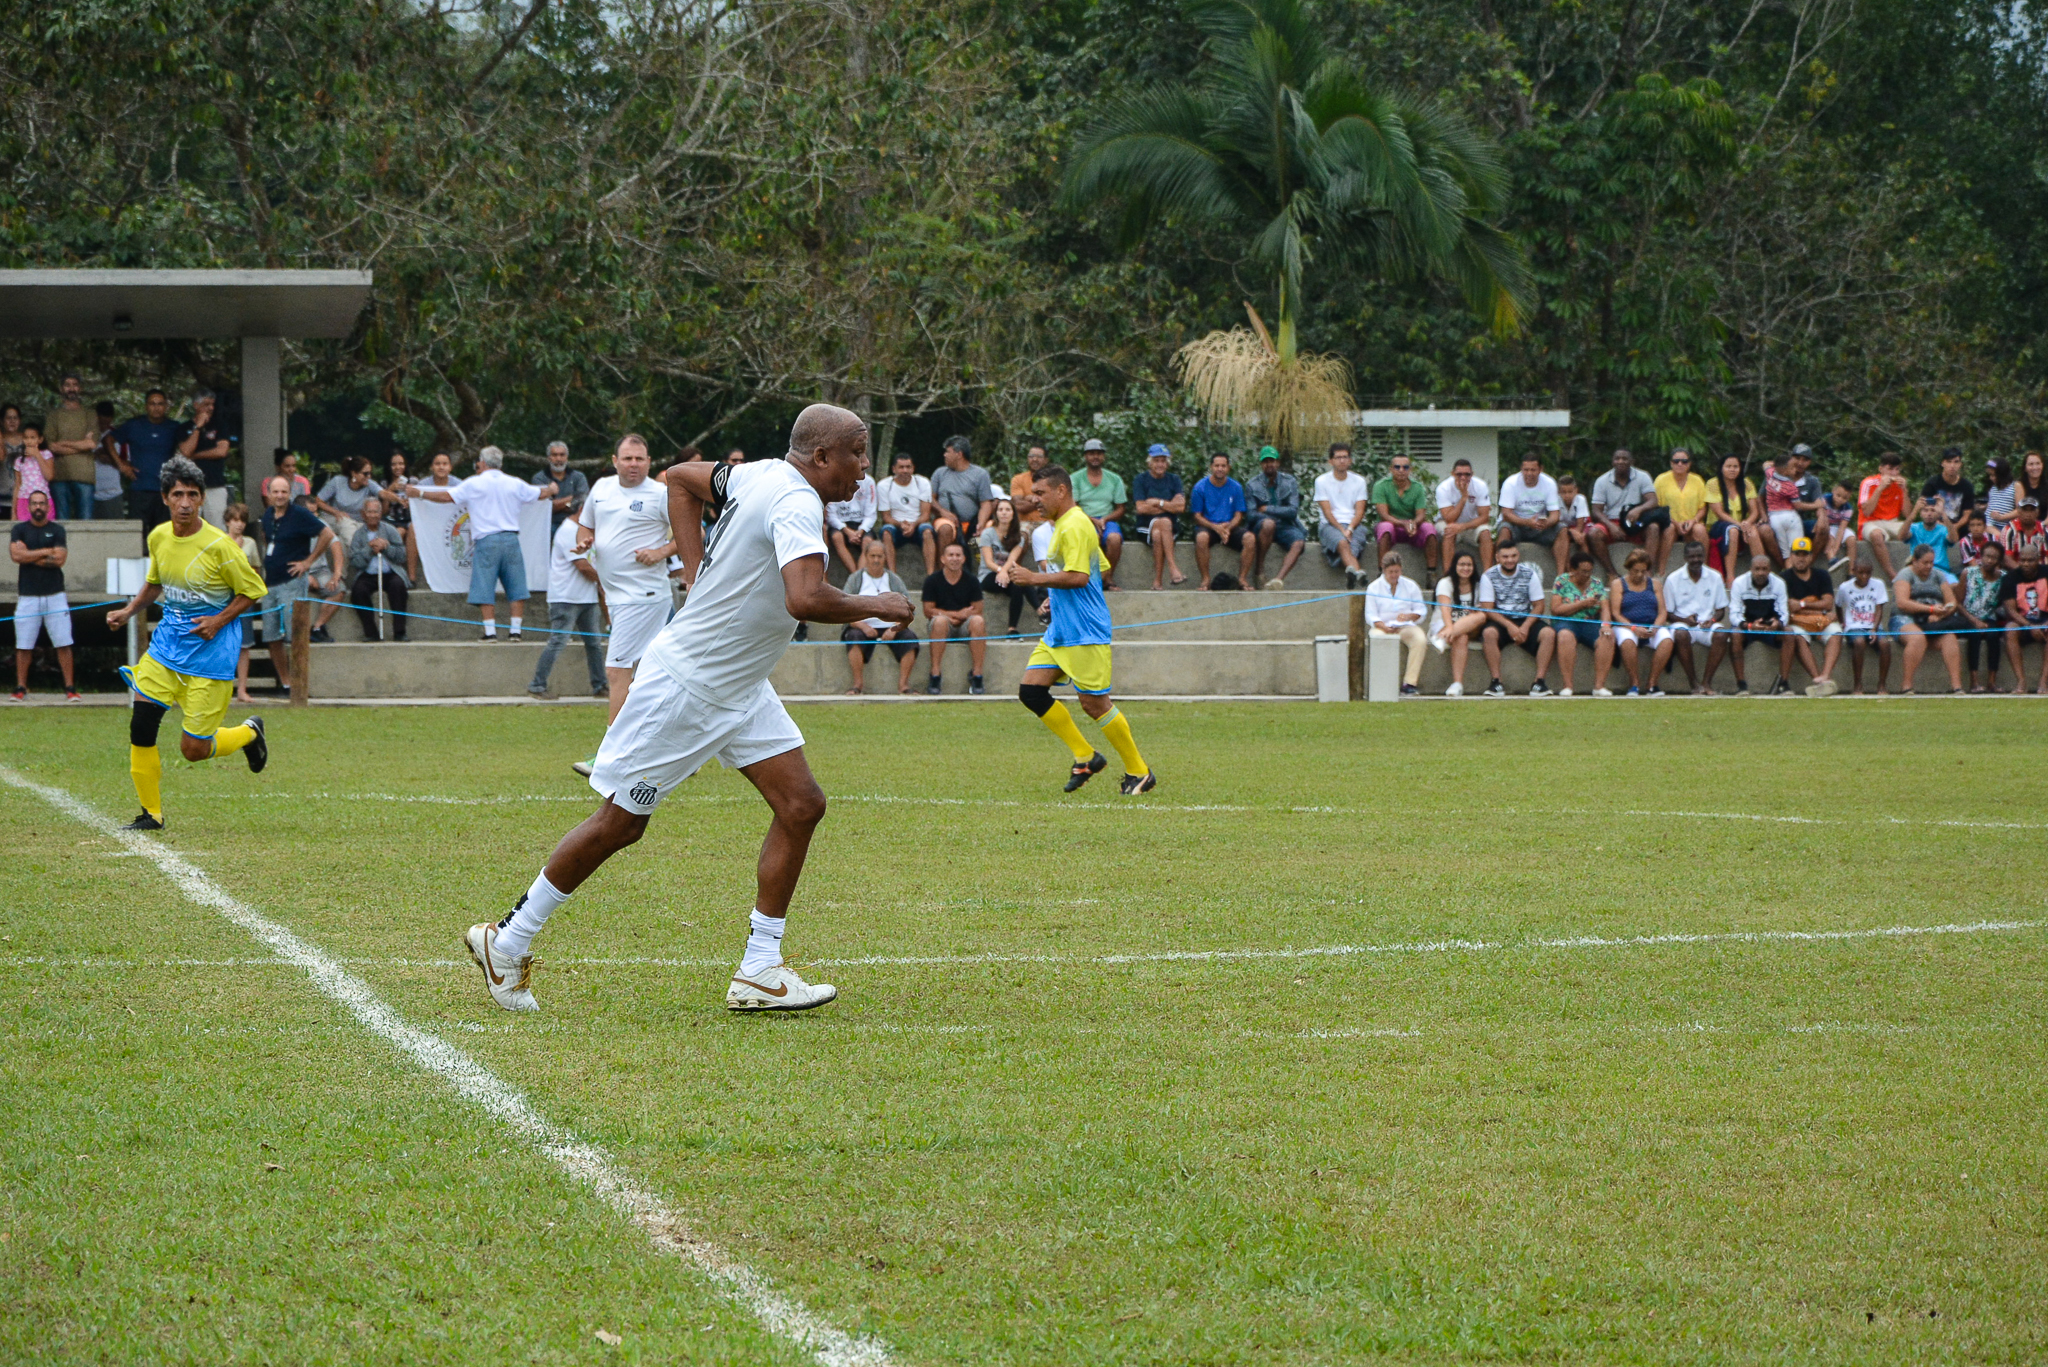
[702, 692]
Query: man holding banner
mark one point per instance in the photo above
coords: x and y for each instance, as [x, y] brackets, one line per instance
[492, 499]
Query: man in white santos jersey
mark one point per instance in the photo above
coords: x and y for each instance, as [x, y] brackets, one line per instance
[704, 694]
[625, 528]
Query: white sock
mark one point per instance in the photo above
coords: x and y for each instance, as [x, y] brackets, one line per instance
[515, 626]
[764, 944]
[516, 931]
[490, 626]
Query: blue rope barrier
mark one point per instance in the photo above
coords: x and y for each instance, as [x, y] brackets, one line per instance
[78, 607]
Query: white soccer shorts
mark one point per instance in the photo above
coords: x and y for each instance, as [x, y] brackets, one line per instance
[634, 624]
[665, 733]
[33, 616]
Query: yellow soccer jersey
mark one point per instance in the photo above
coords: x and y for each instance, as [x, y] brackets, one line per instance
[200, 575]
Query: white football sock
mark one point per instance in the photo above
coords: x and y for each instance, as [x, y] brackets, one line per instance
[490, 626]
[764, 944]
[516, 931]
[515, 625]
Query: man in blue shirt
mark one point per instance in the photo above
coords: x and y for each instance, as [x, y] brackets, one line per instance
[1219, 509]
[1156, 496]
[149, 440]
[293, 538]
[1274, 515]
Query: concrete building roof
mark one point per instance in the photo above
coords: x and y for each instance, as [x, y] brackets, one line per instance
[152, 303]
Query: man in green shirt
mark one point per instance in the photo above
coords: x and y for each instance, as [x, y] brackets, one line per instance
[1100, 494]
[74, 437]
[1405, 507]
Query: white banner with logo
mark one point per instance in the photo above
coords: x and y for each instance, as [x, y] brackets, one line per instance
[441, 530]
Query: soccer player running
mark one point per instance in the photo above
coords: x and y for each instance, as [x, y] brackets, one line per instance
[706, 695]
[205, 583]
[1076, 645]
[624, 526]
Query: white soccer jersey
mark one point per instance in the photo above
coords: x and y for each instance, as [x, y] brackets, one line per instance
[565, 585]
[1703, 600]
[735, 624]
[857, 512]
[624, 521]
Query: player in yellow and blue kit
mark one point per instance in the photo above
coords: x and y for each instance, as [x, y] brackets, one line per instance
[205, 583]
[1076, 644]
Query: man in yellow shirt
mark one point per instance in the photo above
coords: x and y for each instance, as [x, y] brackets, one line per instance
[1683, 493]
[205, 583]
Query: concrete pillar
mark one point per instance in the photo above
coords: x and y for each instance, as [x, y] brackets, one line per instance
[263, 419]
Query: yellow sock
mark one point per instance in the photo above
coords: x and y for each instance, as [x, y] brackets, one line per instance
[229, 739]
[1119, 732]
[146, 767]
[1060, 722]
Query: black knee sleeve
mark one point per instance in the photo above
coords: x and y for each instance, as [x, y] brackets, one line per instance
[1037, 697]
[143, 722]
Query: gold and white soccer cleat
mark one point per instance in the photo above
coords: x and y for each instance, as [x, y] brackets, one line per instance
[778, 989]
[510, 980]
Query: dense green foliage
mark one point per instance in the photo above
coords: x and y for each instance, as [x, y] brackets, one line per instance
[1748, 224]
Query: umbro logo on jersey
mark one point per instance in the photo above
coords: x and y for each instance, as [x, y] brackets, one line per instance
[643, 792]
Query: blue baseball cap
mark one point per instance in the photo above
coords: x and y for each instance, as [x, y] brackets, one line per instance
[1155, 449]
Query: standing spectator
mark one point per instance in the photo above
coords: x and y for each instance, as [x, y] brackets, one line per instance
[1458, 616]
[148, 441]
[2029, 481]
[1983, 624]
[1810, 613]
[573, 609]
[1785, 519]
[1733, 515]
[571, 486]
[875, 577]
[440, 475]
[1157, 498]
[905, 502]
[1341, 497]
[1757, 607]
[1881, 511]
[1274, 498]
[1694, 599]
[287, 464]
[1531, 510]
[1578, 607]
[340, 501]
[1101, 495]
[2023, 600]
[1682, 494]
[1512, 595]
[1219, 508]
[2024, 530]
[492, 499]
[963, 497]
[848, 523]
[736, 457]
[1976, 538]
[624, 526]
[202, 441]
[1021, 497]
[1862, 601]
[1394, 610]
[293, 541]
[999, 541]
[1635, 614]
[1930, 531]
[109, 499]
[1624, 509]
[1809, 500]
[73, 437]
[235, 522]
[376, 559]
[32, 469]
[1405, 508]
[1924, 596]
[398, 510]
[12, 446]
[1953, 491]
[1840, 511]
[38, 546]
[952, 604]
[1464, 512]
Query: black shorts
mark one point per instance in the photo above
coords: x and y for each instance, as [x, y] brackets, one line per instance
[1528, 643]
[1656, 517]
[1233, 539]
[1511, 535]
[903, 645]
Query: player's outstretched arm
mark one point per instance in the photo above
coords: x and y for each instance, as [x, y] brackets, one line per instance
[810, 597]
[118, 618]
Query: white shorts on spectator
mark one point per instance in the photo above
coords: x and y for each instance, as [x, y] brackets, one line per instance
[634, 625]
[49, 614]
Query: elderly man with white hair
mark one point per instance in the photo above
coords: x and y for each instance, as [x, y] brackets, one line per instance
[492, 499]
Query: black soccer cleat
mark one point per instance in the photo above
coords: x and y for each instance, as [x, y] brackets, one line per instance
[1085, 769]
[144, 822]
[257, 751]
[1139, 783]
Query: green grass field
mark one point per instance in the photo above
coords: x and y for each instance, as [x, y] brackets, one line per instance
[1463, 1141]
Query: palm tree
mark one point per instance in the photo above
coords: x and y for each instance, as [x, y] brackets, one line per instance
[1279, 139]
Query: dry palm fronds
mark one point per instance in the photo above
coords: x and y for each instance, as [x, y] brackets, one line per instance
[1237, 379]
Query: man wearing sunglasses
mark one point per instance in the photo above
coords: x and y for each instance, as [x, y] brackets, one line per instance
[1682, 493]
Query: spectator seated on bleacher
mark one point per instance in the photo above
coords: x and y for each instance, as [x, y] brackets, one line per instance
[376, 559]
[875, 577]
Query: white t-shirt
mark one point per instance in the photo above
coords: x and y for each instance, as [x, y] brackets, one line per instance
[1704, 601]
[1343, 495]
[857, 512]
[565, 585]
[493, 499]
[1576, 514]
[1860, 603]
[1518, 497]
[735, 624]
[865, 585]
[1476, 500]
[623, 521]
[904, 501]
[1041, 542]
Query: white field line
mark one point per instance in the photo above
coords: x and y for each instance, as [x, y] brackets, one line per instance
[1164, 956]
[587, 1163]
[1097, 808]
